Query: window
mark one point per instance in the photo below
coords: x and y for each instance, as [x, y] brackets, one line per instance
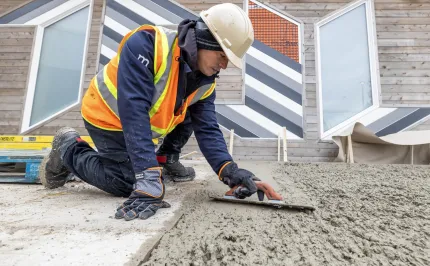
[58, 64]
[347, 71]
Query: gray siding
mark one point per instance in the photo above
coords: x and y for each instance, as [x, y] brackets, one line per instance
[403, 27]
[15, 53]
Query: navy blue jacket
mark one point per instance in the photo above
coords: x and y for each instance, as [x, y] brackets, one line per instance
[135, 90]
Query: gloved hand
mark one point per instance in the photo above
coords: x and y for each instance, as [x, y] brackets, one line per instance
[233, 176]
[146, 198]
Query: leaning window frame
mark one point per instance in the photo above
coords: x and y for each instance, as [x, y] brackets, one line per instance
[373, 59]
[41, 22]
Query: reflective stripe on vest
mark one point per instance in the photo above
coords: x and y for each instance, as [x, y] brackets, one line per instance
[108, 95]
[165, 81]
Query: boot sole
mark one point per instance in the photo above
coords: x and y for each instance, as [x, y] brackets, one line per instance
[51, 184]
[176, 178]
[48, 168]
[181, 179]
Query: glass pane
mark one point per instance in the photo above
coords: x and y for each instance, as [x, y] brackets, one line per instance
[345, 67]
[61, 59]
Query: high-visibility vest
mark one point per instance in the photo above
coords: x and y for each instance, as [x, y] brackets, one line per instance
[99, 105]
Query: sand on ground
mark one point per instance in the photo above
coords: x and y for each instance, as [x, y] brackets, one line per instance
[365, 215]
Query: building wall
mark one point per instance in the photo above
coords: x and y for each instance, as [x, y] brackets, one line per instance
[403, 43]
[16, 44]
[15, 53]
[404, 52]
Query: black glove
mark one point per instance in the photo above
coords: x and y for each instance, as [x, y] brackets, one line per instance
[233, 176]
[146, 198]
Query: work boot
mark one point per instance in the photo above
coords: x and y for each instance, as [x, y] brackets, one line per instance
[52, 172]
[174, 170]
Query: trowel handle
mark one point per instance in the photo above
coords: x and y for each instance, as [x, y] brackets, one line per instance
[262, 189]
[266, 189]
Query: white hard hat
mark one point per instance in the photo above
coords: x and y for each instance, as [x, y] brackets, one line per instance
[232, 28]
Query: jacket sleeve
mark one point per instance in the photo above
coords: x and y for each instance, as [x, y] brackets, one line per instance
[135, 90]
[208, 134]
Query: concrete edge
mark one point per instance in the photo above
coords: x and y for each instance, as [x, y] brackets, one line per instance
[143, 254]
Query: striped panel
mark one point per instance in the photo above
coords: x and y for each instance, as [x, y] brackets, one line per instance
[30, 11]
[273, 81]
[385, 121]
[398, 120]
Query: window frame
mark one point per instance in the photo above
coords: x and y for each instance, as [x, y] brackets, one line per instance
[373, 60]
[41, 22]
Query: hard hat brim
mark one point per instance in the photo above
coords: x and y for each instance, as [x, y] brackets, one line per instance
[232, 57]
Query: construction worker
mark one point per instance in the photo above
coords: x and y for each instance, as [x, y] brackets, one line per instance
[161, 83]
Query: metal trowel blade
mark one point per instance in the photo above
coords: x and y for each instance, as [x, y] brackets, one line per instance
[272, 203]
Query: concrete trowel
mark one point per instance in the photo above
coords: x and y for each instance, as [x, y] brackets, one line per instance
[263, 189]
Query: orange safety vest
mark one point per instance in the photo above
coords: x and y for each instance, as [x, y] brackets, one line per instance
[99, 105]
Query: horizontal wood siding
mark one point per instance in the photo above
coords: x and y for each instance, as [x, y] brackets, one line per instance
[229, 84]
[264, 149]
[15, 53]
[404, 52]
[403, 43]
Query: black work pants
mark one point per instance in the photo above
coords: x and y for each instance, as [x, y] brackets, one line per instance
[110, 168]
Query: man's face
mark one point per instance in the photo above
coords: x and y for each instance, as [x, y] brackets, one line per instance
[210, 62]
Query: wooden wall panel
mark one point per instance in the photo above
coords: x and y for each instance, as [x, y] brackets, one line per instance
[403, 28]
[15, 53]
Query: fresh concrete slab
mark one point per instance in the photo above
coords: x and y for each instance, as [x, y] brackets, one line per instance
[365, 215]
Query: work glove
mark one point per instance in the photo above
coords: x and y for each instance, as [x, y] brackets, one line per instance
[146, 198]
[233, 176]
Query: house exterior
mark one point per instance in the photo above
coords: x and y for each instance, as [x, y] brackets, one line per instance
[316, 67]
